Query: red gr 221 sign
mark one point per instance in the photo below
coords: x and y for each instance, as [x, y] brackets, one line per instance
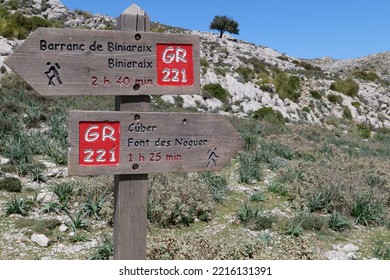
[175, 66]
[99, 143]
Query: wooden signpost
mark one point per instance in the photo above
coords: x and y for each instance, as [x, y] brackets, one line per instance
[93, 62]
[139, 143]
[132, 64]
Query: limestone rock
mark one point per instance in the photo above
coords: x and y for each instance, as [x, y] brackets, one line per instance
[346, 252]
[3, 160]
[63, 228]
[40, 239]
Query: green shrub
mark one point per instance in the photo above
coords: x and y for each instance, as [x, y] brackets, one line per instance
[382, 251]
[335, 98]
[45, 5]
[224, 51]
[51, 207]
[269, 151]
[363, 130]
[16, 25]
[19, 150]
[13, 4]
[6, 125]
[287, 86]
[250, 168]
[57, 154]
[64, 192]
[219, 71]
[19, 206]
[366, 76]
[11, 81]
[283, 57]
[105, 250]
[270, 115]
[58, 129]
[94, 204]
[337, 222]
[179, 101]
[263, 222]
[348, 87]
[247, 212]
[85, 14]
[78, 221]
[366, 211]
[204, 62]
[319, 200]
[11, 106]
[257, 196]
[45, 226]
[178, 200]
[216, 183]
[277, 187]
[294, 227]
[347, 114]
[260, 68]
[196, 246]
[217, 91]
[250, 140]
[11, 184]
[3, 11]
[303, 64]
[310, 221]
[356, 104]
[383, 135]
[37, 175]
[267, 88]
[247, 73]
[316, 94]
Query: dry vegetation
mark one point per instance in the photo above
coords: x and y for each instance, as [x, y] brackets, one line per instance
[293, 192]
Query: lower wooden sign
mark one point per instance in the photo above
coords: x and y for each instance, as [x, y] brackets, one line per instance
[139, 143]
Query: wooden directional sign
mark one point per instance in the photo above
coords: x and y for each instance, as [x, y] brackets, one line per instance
[90, 62]
[138, 143]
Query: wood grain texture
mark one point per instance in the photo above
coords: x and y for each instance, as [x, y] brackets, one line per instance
[130, 217]
[131, 191]
[92, 62]
[160, 142]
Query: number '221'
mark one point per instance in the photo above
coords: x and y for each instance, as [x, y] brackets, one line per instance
[101, 153]
[174, 75]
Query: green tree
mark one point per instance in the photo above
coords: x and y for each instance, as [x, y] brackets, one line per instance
[224, 24]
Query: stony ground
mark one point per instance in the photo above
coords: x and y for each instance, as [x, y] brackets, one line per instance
[316, 187]
[21, 236]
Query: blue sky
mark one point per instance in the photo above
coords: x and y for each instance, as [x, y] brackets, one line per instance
[341, 29]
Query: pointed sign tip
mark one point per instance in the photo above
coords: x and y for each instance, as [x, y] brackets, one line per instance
[134, 9]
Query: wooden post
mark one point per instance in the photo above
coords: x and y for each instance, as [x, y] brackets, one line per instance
[131, 191]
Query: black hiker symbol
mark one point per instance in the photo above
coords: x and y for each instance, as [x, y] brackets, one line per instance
[53, 73]
[212, 158]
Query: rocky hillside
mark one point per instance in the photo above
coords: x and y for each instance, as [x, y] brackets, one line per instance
[254, 77]
[55, 10]
[311, 182]
[257, 77]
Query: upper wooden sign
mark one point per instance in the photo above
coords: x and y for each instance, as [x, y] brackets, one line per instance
[139, 143]
[91, 62]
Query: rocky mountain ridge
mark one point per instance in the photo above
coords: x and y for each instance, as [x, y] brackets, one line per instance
[248, 73]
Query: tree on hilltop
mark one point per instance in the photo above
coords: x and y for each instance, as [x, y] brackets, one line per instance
[224, 24]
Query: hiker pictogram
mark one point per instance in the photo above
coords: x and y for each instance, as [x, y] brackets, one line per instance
[52, 73]
[212, 158]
